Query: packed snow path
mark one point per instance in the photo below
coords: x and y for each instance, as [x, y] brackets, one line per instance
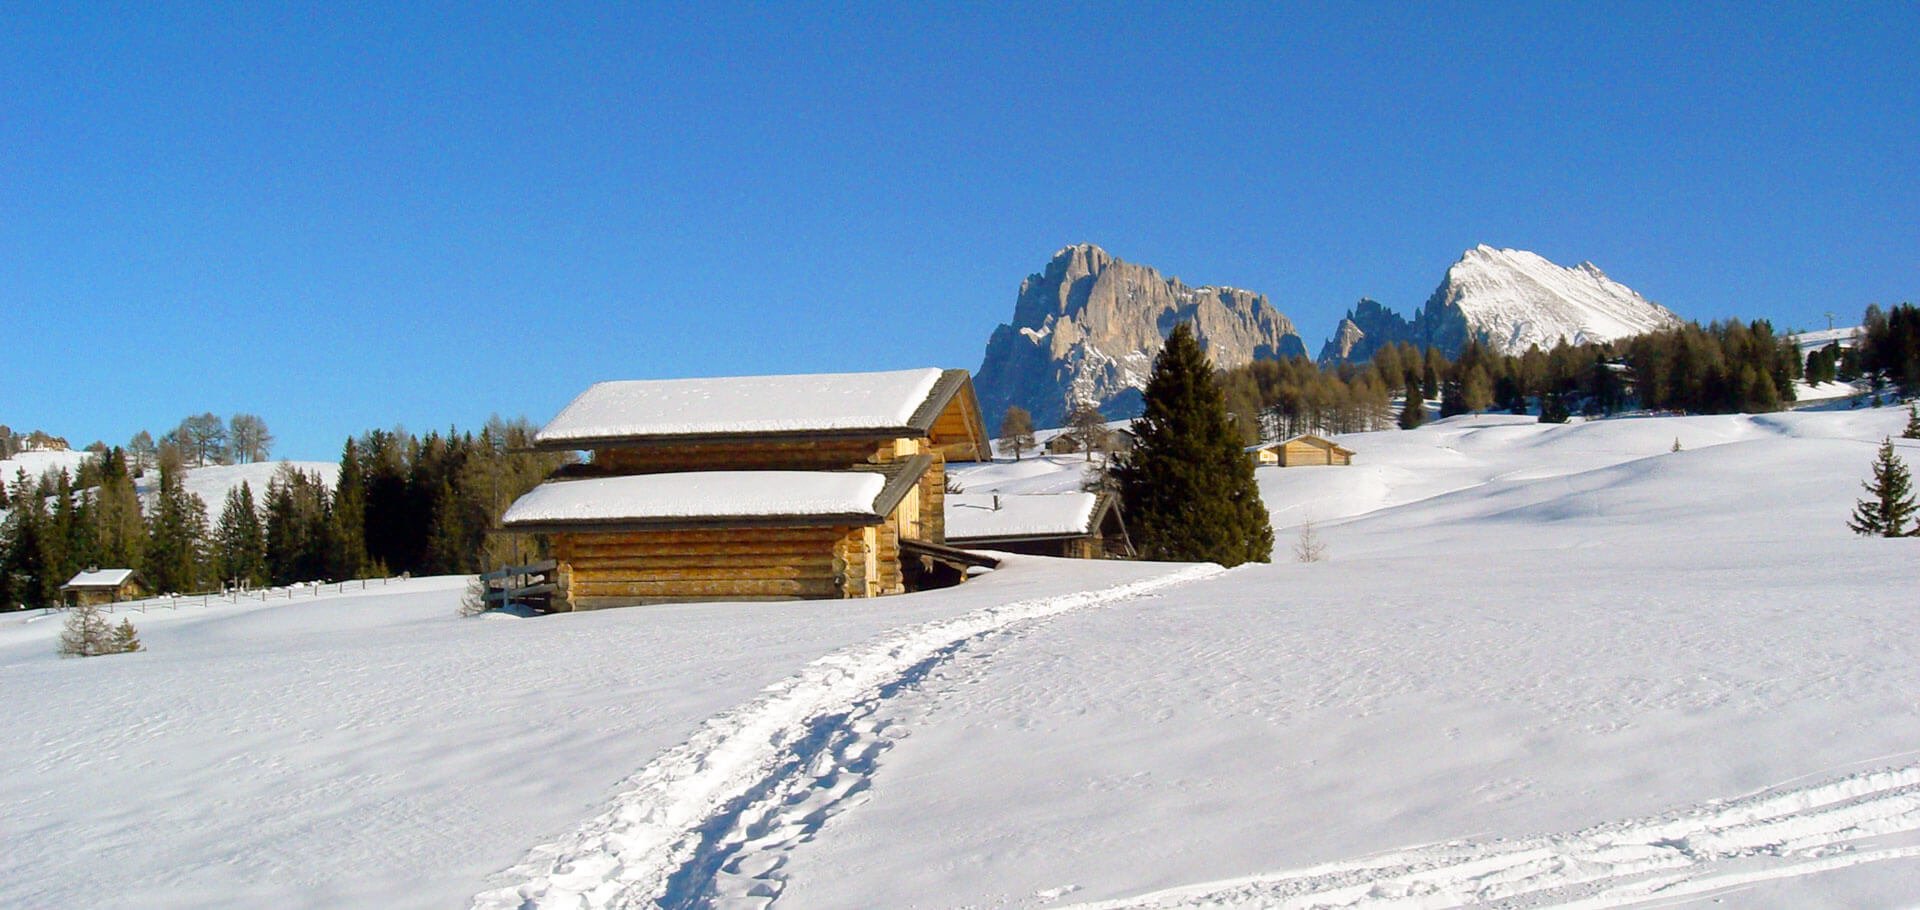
[1785, 832]
[762, 772]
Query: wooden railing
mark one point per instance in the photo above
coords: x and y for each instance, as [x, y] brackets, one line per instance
[530, 585]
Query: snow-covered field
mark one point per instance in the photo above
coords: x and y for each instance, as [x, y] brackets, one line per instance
[212, 482]
[36, 463]
[1543, 665]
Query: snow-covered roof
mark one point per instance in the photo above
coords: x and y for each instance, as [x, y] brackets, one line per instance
[717, 497]
[1309, 438]
[974, 516]
[745, 405]
[100, 578]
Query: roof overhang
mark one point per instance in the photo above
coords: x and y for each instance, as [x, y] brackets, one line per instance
[952, 390]
[901, 476]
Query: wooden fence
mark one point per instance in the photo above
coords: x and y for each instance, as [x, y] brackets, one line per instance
[530, 585]
[236, 595]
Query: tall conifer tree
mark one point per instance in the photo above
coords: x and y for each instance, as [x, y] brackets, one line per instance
[1414, 412]
[1187, 485]
[1889, 503]
[284, 531]
[120, 528]
[350, 513]
[240, 544]
[176, 535]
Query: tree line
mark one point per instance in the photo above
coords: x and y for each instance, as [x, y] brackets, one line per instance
[401, 503]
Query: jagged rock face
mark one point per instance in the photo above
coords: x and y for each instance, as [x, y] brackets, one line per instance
[1509, 300]
[1089, 326]
[1365, 329]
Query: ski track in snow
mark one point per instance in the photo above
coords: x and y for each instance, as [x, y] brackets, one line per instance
[705, 823]
[1715, 846]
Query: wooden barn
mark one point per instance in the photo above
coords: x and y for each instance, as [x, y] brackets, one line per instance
[1305, 449]
[104, 586]
[1077, 525]
[755, 488]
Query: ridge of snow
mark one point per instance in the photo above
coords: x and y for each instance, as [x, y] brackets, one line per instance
[701, 494]
[743, 404]
[97, 577]
[666, 814]
[1810, 819]
[992, 515]
[1517, 298]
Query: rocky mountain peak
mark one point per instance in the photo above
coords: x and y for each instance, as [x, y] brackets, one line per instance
[1509, 300]
[1088, 326]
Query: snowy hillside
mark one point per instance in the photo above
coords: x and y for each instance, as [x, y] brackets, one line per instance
[212, 482]
[37, 463]
[1808, 342]
[1514, 298]
[1546, 665]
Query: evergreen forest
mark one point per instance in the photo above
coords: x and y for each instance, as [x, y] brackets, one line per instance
[402, 504]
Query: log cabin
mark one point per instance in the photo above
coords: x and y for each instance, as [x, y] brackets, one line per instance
[104, 586]
[1074, 525]
[755, 488]
[1305, 449]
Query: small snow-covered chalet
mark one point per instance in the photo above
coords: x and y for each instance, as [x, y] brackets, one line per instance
[1305, 449]
[755, 487]
[1074, 525]
[103, 586]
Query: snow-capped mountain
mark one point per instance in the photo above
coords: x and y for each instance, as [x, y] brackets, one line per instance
[1509, 300]
[1089, 326]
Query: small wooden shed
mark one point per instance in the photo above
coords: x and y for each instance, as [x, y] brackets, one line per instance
[104, 586]
[1305, 449]
[1076, 525]
[754, 488]
[1114, 439]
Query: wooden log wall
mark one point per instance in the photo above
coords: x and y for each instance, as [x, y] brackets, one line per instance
[618, 569]
[933, 501]
[623, 569]
[817, 455]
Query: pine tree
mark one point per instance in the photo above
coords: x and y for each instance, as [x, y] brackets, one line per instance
[240, 544]
[29, 558]
[1016, 430]
[350, 514]
[176, 535]
[283, 531]
[120, 530]
[1476, 390]
[1889, 501]
[1553, 408]
[1186, 486]
[1913, 422]
[125, 640]
[447, 550]
[1414, 413]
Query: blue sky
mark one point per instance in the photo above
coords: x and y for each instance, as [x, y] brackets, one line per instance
[344, 217]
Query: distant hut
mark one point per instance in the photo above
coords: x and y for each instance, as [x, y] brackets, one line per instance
[104, 586]
[1113, 439]
[1305, 449]
[755, 488]
[1078, 525]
